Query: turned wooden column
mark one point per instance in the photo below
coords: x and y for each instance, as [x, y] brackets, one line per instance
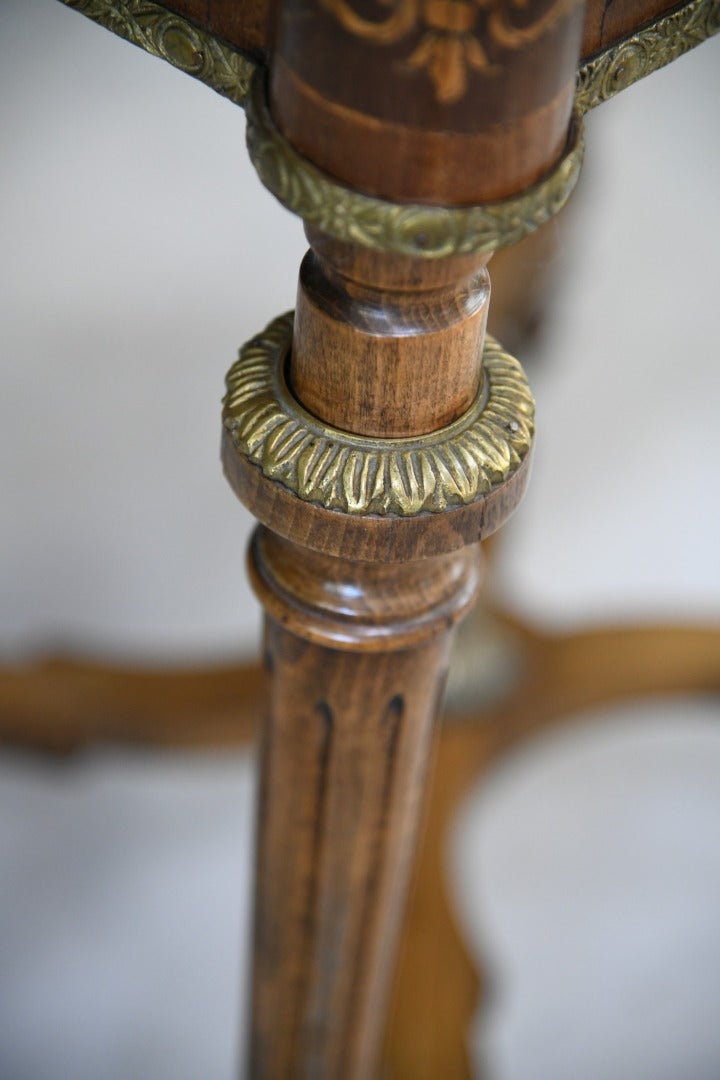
[362, 425]
[356, 654]
[378, 437]
[346, 738]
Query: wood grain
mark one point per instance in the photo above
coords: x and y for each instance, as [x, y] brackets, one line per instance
[344, 751]
[454, 105]
[362, 607]
[606, 21]
[384, 345]
[357, 634]
[248, 24]
[356, 657]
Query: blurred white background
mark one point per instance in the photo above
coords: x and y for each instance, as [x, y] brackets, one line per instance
[138, 251]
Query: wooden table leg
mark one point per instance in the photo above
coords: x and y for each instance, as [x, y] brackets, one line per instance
[378, 439]
[360, 605]
[346, 737]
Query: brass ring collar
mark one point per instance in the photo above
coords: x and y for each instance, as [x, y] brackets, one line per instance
[357, 475]
[418, 230]
[363, 497]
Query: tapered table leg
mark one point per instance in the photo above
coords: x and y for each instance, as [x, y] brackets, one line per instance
[367, 556]
[378, 437]
[346, 738]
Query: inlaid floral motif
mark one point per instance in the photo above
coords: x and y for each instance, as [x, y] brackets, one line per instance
[451, 45]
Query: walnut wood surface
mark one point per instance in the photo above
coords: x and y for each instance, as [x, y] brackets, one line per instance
[244, 23]
[344, 751]
[606, 21]
[362, 607]
[437, 102]
[356, 653]
[383, 345]
[249, 25]
[359, 610]
[356, 657]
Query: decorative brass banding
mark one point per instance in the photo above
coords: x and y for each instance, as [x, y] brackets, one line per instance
[645, 51]
[404, 477]
[420, 230]
[405, 228]
[228, 71]
[196, 52]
